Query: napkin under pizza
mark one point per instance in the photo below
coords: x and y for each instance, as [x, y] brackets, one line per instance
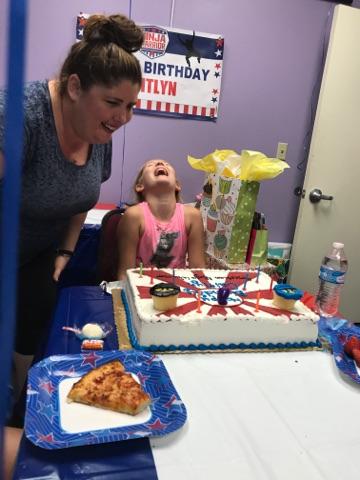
[111, 387]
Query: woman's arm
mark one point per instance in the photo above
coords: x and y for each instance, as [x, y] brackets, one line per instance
[69, 242]
[128, 236]
[12, 437]
[196, 237]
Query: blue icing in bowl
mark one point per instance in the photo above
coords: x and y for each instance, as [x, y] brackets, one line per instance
[289, 292]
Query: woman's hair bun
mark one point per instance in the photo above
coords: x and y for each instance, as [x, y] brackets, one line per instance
[117, 29]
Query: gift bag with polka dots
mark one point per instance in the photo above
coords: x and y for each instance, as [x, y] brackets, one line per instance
[227, 207]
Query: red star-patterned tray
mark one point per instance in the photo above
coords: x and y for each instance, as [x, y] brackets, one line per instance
[51, 422]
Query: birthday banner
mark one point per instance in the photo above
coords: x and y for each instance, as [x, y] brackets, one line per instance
[182, 71]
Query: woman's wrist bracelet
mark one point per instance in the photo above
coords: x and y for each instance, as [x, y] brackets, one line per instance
[63, 253]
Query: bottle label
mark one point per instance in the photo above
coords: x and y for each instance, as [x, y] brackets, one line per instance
[331, 276]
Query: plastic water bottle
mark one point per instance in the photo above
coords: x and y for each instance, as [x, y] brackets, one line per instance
[331, 275]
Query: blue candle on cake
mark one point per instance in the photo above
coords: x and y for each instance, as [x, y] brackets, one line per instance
[222, 295]
[246, 278]
[258, 274]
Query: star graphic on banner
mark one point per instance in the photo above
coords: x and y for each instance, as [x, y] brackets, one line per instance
[219, 42]
[215, 91]
[218, 53]
[214, 99]
[217, 74]
[90, 358]
[217, 66]
[157, 425]
[47, 387]
[80, 32]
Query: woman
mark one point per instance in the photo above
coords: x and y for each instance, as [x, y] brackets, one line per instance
[68, 127]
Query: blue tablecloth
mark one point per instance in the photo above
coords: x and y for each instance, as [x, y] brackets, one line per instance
[78, 306]
[82, 268]
[128, 460]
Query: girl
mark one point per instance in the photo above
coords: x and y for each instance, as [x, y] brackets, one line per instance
[159, 230]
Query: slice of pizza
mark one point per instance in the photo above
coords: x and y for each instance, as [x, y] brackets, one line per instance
[110, 387]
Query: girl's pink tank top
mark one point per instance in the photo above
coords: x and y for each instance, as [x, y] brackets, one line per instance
[163, 245]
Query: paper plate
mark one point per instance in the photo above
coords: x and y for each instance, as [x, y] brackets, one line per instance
[51, 422]
[343, 361]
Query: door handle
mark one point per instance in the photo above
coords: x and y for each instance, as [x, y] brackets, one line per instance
[316, 195]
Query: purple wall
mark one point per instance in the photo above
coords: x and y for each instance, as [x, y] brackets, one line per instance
[272, 65]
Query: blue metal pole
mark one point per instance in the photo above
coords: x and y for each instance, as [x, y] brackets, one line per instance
[10, 201]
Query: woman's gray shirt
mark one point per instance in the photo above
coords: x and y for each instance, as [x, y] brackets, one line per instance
[53, 188]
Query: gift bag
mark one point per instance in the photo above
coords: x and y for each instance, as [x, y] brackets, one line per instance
[229, 199]
[227, 208]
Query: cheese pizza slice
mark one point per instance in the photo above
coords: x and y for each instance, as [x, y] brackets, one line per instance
[110, 387]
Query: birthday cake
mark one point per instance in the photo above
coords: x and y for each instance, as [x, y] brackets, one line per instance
[246, 317]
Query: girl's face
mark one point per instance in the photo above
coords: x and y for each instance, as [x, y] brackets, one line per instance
[98, 112]
[157, 172]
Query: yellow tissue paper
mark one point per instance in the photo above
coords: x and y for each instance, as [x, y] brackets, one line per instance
[249, 166]
[213, 162]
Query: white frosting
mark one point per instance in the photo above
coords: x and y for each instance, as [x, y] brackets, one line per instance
[252, 326]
